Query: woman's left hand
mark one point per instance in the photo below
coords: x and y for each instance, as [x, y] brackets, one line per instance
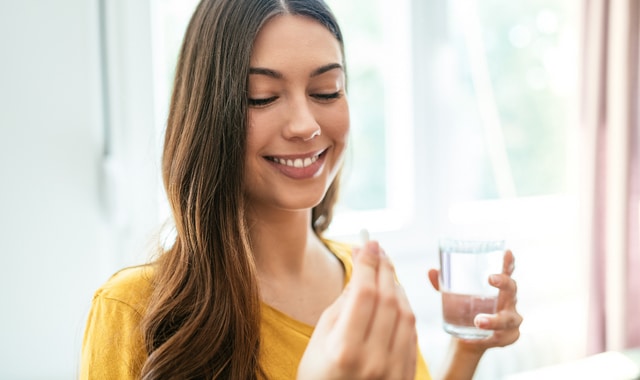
[506, 322]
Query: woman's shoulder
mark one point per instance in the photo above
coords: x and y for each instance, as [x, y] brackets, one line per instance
[341, 249]
[113, 344]
[131, 286]
[343, 252]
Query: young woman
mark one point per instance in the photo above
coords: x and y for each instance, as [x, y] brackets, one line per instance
[255, 139]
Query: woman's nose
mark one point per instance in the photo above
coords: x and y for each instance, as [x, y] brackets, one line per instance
[302, 124]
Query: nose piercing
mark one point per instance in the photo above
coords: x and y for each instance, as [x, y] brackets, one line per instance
[315, 134]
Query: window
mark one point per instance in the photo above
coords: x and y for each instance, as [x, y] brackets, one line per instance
[376, 191]
[514, 71]
[497, 81]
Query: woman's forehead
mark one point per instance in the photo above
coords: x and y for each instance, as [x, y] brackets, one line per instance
[287, 37]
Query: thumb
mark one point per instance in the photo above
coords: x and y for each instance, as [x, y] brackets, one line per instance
[433, 278]
[330, 315]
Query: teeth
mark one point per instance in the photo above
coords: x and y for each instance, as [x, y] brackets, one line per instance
[297, 163]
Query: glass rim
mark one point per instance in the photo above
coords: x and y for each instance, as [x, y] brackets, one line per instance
[471, 245]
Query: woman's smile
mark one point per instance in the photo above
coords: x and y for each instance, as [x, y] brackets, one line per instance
[302, 166]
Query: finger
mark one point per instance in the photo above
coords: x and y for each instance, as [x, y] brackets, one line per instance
[359, 303]
[507, 297]
[505, 325]
[404, 346]
[386, 310]
[412, 357]
[434, 275]
[503, 321]
[508, 263]
[355, 252]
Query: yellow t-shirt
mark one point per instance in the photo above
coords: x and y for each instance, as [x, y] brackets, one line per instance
[113, 347]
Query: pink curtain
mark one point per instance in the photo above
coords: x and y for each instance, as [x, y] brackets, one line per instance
[610, 117]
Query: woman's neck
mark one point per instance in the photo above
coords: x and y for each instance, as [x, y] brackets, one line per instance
[283, 242]
[297, 273]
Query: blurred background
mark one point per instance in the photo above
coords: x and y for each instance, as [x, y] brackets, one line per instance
[516, 119]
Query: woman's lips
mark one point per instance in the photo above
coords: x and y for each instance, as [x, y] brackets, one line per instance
[298, 166]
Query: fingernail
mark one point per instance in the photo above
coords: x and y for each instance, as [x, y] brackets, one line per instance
[495, 279]
[373, 246]
[481, 321]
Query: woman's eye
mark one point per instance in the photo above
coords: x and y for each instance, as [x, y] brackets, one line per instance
[262, 101]
[327, 97]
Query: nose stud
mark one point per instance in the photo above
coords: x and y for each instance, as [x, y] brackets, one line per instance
[315, 134]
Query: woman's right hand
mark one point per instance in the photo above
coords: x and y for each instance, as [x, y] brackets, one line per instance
[369, 331]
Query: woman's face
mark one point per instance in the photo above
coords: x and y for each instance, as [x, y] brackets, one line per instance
[298, 114]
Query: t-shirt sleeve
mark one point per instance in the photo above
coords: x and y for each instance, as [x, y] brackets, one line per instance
[112, 347]
[422, 371]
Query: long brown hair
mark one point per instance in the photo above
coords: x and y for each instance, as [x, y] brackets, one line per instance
[203, 320]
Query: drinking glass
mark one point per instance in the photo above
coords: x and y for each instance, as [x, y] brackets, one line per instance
[465, 267]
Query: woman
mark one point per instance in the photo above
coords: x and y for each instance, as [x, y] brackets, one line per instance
[256, 134]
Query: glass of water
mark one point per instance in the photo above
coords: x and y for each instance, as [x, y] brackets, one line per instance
[465, 267]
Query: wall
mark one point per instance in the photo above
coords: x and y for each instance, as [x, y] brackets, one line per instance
[57, 243]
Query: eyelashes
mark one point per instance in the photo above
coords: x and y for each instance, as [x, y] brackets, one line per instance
[331, 96]
[263, 102]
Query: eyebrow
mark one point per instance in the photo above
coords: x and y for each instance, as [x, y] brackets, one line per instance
[277, 75]
[263, 71]
[323, 69]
